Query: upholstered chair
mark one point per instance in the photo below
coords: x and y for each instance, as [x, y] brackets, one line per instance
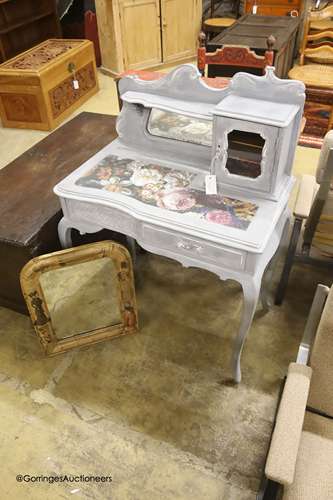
[300, 458]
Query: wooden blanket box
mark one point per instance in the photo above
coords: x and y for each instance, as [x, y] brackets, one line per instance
[42, 86]
[29, 209]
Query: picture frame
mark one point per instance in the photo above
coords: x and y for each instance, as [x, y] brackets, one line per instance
[41, 317]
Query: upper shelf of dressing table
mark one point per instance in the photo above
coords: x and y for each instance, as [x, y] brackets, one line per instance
[201, 110]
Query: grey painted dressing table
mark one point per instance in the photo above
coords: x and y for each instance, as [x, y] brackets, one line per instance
[150, 183]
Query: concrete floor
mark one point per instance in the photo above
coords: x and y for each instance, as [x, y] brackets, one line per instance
[151, 410]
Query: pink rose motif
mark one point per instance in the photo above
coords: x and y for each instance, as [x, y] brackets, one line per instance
[179, 199]
[219, 217]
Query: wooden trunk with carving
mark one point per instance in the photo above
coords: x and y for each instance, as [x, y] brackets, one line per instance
[42, 86]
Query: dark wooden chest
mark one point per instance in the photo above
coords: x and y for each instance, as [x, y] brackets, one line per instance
[252, 31]
[29, 209]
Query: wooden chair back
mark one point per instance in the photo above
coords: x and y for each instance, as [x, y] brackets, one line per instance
[317, 45]
[321, 15]
[237, 55]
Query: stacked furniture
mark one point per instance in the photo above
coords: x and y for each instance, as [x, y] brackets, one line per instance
[146, 33]
[315, 68]
[24, 23]
[235, 56]
[253, 31]
[323, 23]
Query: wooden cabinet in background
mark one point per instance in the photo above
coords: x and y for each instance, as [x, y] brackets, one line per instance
[137, 34]
[272, 7]
[24, 23]
[139, 24]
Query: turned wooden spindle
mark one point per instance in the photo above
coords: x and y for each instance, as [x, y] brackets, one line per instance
[202, 52]
[269, 54]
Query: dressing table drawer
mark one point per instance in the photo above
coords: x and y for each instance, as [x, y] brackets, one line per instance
[195, 248]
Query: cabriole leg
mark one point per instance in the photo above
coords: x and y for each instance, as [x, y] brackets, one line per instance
[132, 248]
[265, 293]
[288, 262]
[251, 290]
[65, 233]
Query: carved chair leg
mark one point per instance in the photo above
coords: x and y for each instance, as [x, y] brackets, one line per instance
[282, 286]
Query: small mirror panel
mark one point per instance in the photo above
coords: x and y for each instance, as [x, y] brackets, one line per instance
[88, 288]
[180, 127]
[244, 153]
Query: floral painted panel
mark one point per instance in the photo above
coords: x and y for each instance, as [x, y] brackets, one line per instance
[166, 188]
[180, 127]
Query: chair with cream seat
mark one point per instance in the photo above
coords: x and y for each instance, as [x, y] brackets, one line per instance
[300, 458]
[215, 25]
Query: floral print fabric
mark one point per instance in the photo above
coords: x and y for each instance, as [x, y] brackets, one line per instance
[166, 188]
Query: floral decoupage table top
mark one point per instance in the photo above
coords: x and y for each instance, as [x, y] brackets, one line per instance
[166, 188]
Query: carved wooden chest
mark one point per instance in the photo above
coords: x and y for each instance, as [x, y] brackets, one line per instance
[42, 86]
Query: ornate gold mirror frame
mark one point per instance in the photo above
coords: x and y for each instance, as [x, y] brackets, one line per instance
[38, 308]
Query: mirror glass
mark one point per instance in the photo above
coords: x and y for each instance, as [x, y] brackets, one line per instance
[244, 153]
[82, 297]
[180, 127]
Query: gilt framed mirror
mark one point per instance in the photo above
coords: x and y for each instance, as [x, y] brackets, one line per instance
[80, 296]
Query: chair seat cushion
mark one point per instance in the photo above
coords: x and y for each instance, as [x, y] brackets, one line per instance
[322, 25]
[321, 55]
[222, 22]
[317, 75]
[314, 466]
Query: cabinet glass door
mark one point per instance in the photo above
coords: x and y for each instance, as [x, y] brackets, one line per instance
[245, 153]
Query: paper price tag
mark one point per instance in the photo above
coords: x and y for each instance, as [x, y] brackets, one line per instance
[210, 183]
[75, 84]
[254, 9]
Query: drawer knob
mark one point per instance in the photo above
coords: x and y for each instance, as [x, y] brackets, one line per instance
[186, 245]
[71, 67]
